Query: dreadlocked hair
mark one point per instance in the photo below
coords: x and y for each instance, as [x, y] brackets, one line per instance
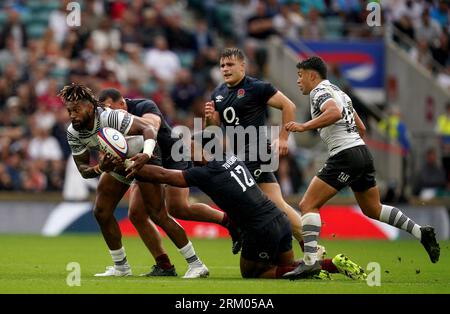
[76, 92]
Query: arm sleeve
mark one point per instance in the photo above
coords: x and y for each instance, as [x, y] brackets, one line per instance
[266, 91]
[75, 144]
[117, 119]
[194, 176]
[319, 97]
[147, 106]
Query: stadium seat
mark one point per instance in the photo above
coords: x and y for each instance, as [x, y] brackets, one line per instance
[36, 30]
[223, 16]
[186, 58]
[3, 18]
[334, 27]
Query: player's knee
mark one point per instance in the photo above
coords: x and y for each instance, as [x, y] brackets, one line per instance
[248, 273]
[371, 213]
[136, 217]
[159, 217]
[178, 210]
[304, 207]
[101, 214]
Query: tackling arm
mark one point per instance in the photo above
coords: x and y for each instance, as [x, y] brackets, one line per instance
[161, 175]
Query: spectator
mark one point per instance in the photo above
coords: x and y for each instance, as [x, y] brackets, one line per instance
[315, 26]
[14, 28]
[443, 131]
[288, 23]
[431, 178]
[427, 29]
[57, 22]
[43, 146]
[106, 36]
[439, 13]
[260, 25]
[184, 92]
[162, 62]
[421, 54]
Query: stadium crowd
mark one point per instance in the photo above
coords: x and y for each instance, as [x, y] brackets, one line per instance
[165, 50]
[423, 29]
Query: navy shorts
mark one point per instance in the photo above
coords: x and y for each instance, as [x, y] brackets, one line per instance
[260, 177]
[351, 167]
[268, 242]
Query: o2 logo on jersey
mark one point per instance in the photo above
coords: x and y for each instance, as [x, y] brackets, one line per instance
[240, 93]
[229, 115]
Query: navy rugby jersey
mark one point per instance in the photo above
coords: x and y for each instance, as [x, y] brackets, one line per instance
[139, 107]
[244, 105]
[231, 186]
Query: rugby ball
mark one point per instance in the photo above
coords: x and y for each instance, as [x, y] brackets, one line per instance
[113, 142]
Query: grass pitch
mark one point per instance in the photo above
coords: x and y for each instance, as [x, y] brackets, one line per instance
[33, 264]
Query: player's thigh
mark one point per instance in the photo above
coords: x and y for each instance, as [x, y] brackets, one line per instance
[137, 205]
[317, 194]
[176, 198]
[152, 196]
[369, 202]
[273, 192]
[109, 193]
[286, 258]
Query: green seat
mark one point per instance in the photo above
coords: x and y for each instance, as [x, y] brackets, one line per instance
[334, 27]
[36, 30]
[223, 17]
[3, 18]
[186, 59]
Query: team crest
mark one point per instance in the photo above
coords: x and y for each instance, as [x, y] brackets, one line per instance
[240, 93]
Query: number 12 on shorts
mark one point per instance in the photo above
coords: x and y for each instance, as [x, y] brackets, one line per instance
[248, 182]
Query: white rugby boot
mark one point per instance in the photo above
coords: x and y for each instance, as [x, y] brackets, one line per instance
[116, 271]
[196, 271]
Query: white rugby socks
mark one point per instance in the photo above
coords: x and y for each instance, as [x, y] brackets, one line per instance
[119, 256]
[394, 217]
[311, 223]
[188, 253]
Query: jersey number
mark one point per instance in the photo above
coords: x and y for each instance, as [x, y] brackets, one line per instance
[248, 181]
[230, 116]
[347, 116]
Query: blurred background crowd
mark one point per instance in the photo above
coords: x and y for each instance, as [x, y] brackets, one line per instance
[167, 51]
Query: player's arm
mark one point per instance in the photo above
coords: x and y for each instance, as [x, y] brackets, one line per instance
[83, 164]
[148, 125]
[330, 115]
[212, 117]
[359, 124]
[161, 175]
[287, 107]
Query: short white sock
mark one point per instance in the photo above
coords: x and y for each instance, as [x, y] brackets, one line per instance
[119, 256]
[188, 253]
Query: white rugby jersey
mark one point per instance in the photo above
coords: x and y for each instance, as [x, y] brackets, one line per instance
[342, 134]
[83, 140]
